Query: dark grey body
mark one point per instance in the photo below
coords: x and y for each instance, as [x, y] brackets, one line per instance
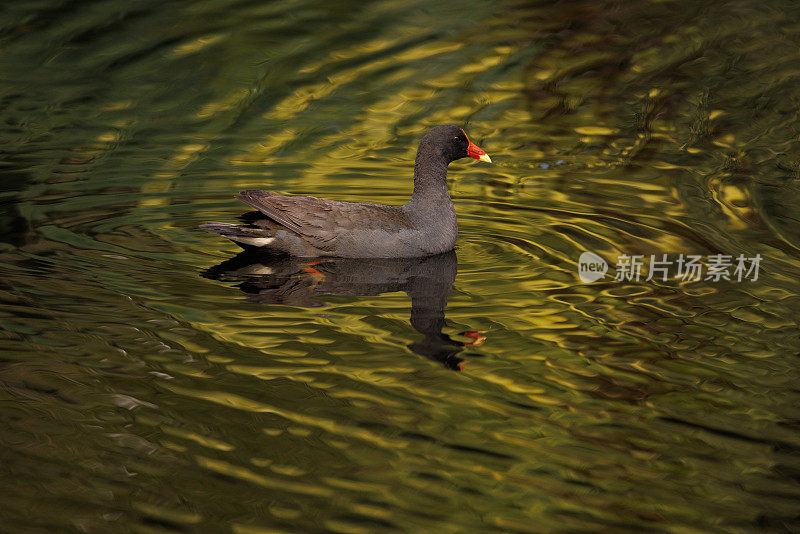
[316, 227]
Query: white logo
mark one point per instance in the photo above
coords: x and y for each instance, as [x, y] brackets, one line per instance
[688, 268]
[591, 267]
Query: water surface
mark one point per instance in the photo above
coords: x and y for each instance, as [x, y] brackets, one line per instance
[153, 381]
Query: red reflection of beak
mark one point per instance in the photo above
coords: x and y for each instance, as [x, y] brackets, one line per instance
[477, 338]
[476, 152]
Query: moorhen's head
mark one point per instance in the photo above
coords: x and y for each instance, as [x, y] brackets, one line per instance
[452, 143]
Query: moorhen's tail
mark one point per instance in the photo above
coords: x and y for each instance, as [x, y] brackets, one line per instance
[245, 236]
[281, 209]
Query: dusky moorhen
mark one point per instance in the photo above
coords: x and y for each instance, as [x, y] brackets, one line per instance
[313, 227]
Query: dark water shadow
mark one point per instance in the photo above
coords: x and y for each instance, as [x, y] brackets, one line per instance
[269, 279]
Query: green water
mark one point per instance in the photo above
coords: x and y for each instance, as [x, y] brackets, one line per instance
[148, 386]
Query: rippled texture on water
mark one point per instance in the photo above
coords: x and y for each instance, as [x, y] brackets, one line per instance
[153, 382]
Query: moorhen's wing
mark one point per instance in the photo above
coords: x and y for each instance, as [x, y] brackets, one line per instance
[321, 221]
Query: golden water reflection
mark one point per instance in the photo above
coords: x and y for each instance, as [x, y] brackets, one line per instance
[136, 392]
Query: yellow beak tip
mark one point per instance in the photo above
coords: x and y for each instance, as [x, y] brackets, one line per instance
[486, 158]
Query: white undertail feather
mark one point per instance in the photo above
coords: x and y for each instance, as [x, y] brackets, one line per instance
[252, 241]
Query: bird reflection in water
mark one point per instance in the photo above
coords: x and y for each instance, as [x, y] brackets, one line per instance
[270, 279]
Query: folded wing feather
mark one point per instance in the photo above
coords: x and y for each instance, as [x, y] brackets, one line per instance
[321, 221]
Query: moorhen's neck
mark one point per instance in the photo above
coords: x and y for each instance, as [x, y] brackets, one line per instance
[430, 175]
